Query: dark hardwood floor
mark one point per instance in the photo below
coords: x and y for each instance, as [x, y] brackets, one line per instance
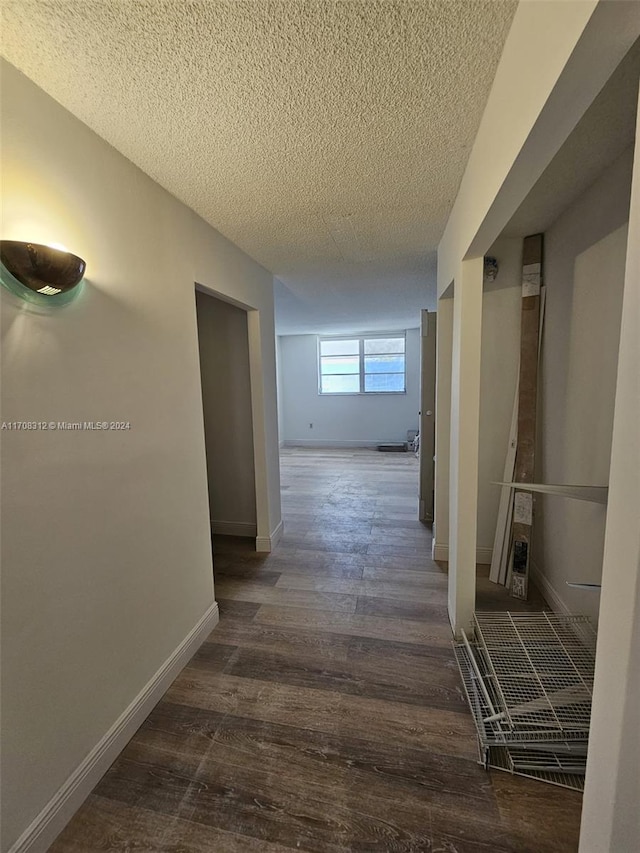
[325, 712]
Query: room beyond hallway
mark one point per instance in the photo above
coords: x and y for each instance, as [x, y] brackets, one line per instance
[325, 712]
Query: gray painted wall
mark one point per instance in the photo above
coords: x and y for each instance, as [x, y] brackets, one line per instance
[349, 420]
[223, 342]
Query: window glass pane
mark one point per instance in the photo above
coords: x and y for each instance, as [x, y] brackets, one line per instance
[384, 364]
[340, 347]
[375, 345]
[384, 382]
[341, 384]
[346, 364]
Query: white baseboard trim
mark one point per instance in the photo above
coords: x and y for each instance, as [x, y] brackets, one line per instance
[441, 552]
[234, 528]
[484, 556]
[266, 544]
[53, 818]
[549, 592]
[276, 535]
[319, 442]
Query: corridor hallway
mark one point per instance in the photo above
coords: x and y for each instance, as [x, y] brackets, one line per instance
[325, 712]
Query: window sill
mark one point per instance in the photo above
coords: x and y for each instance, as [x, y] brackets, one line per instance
[361, 393]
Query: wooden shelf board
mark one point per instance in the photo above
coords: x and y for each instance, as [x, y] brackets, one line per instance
[594, 494]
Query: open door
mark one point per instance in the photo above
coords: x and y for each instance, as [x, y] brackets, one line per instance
[427, 413]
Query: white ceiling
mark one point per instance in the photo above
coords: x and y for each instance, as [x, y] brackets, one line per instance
[326, 138]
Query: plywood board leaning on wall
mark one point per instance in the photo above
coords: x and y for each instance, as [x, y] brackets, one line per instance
[527, 397]
[502, 540]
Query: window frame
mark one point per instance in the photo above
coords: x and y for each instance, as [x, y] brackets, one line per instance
[361, 338]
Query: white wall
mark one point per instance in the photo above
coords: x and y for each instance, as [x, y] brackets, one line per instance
[610, 814]
[106, 544]
[556, 59]
[223, 342]
[580, 337]
[584, 274]
[501, 308]
[581, 329]
[279, 387]
[350, 420]
[464, 442]
[444, 355]
[498, 375]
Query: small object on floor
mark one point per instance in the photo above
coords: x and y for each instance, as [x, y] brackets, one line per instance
[394, 447]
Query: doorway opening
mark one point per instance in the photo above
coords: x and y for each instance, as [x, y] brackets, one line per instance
[223, 341]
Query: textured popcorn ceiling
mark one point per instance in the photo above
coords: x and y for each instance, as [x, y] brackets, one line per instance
[326, 139]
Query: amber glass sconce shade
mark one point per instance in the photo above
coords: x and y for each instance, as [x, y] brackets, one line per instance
[39, 273]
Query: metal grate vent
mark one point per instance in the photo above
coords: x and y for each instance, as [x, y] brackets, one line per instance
[528, 680]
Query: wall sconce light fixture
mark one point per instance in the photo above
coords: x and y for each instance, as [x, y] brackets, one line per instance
[39, 273]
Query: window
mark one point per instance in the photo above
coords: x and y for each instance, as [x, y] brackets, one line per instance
[367, 364]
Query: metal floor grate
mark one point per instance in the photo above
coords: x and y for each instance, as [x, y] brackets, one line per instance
[484, 700]
[541, 668]
[528, 682]
[501, 758]
[537, 760]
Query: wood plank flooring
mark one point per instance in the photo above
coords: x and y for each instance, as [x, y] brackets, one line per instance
[325, 712]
